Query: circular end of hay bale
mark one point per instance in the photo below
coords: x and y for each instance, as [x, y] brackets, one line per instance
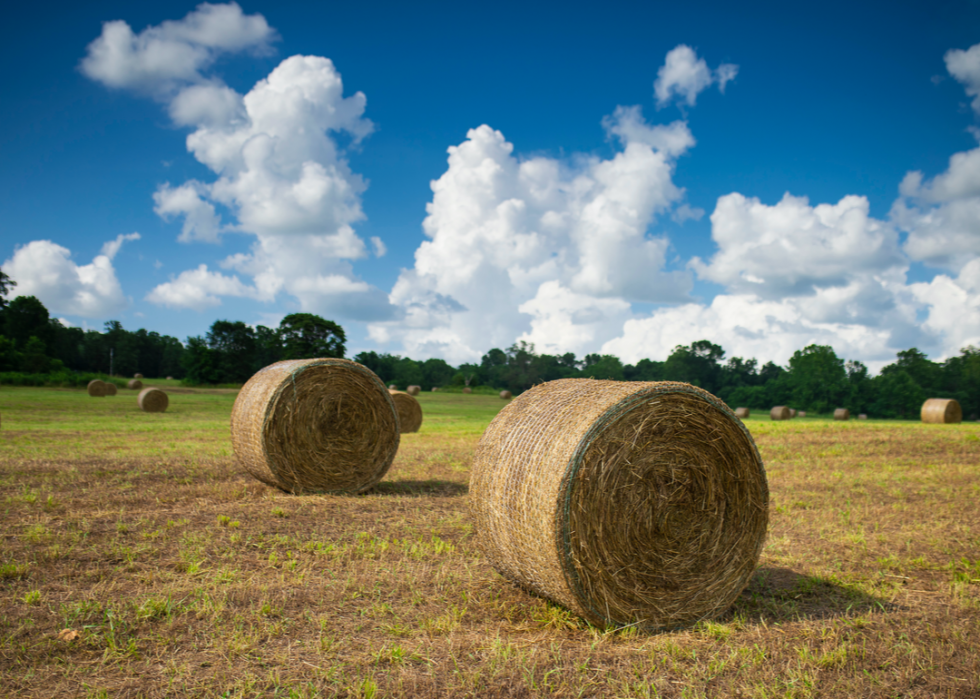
[315, 425]
[780, 412]
[467, 389]
[942, 411]
[96, 388]
[110, 388]
[413, 390]
[506, 395]
[409, 411]
[137, 376]
[842, 414]
[742, 413]
[134, 384]
[627, 502]
[152, 400]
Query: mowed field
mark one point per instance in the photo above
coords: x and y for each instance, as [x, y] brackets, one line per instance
[137, 561]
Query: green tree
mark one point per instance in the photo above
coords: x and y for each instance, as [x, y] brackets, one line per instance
[6, 286]
[645, 370]
[818, 379]
[897, 394]
[233, 345]
[304, 335]
[926, 373]
[268, 347]
[435, 372]
[604, 366]
[381, 364]
[698, 364]
[24, 318]
[34, 358]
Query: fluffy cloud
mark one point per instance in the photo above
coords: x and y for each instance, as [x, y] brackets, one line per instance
[45, 269]
[954, 306]
[684, 76]
[965, 67]
[199, 289]
[200, 220]
[548, 250]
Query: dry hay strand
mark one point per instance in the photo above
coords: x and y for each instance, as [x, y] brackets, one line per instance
[780, 412]
[152, 400]
[137, 376]
[409, 411]
[97, 388]
[506, 395]
[742, 413]
[942, 411]
[134, 384]
[413, 390]
[630, 503]
[110, 388]
[842, 414]
[315, 425]
[467, 389]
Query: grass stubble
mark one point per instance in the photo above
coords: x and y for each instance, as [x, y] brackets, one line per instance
[181, 576]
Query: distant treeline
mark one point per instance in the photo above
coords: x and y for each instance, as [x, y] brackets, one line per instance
[815, 380]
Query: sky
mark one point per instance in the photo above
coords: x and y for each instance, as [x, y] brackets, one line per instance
[441, 179]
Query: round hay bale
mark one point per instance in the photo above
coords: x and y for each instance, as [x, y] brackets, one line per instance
[942, 411]
[792, 413]
[467, 389]
[137, 376]
[170, 378]
[409, 411]
[392, 387]
[152, 400]
[641, 503]
[413, 390]
[842, 414]
[97, 388]
[742, 413]
[320, 425]
[801, 413]
[506, 395]
[863, 416]
[135, 384]
[435, 388]
[780, 412]
[110, 388]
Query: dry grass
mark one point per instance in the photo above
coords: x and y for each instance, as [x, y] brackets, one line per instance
[184, 577]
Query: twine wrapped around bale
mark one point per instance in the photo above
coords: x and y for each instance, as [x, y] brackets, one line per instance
[742, 413]
[134, 384]
[842, 414]
[110, 388]
[137, 376]
[96, 388]
[942, 411]
[152, 400]
[321, 425]
[506, 395]
[409, 411]
[630, 503]
[467, 389]
[413, 390]
[780, 412]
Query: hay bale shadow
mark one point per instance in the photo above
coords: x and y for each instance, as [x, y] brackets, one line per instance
[779, 595]
[428, 488]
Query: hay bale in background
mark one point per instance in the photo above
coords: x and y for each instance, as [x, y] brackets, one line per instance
[628, 502]
[780, 412]
[152, 400]
[413, 390]
[392, 387]
[467, 389]
[506, 395]
[842, 414]
[862, 416]
[97, 388]
[409, 411]
[792, 413]
[742, 413]
[801, 413]
[137, 376]
[135, 384]
[110, 388]
[315, 425]
[170, 378]
[435, 388]
[942, 411]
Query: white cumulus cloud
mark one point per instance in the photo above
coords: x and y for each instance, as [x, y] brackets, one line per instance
[684, 76]
[199, 289]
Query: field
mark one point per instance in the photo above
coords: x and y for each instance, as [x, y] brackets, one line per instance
[136, 560]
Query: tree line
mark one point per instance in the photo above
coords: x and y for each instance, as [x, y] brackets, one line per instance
[815, 379]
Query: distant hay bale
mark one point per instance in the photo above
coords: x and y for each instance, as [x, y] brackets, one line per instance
[630, 503]
[506, 395]
[942, 411]
[110, 388]
[135, 384]
[392, 387]
[152, 400]
[742, 413]
[842, 414]
[467, 389]
[792, 413]
[780, 412]
[863, 416]
[801, 413]
[435, 388]
[413, 390]
[409, 411]
[97, 388]
[170, 378]
[137, 376]
[320, 425]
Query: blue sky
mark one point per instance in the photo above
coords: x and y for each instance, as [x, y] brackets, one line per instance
[619, 199]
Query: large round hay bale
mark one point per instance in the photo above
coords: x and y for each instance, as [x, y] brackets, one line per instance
[942, 411]
[630, 503]
[742, 413]
[152, 400]
[842, 414]
[409, 411]
[321, 425]
[780, 412]
[134, 384]
[97, 388]
[506, 395]
[413, 390]
[467, 389]
[137, 376]
[110, 388]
